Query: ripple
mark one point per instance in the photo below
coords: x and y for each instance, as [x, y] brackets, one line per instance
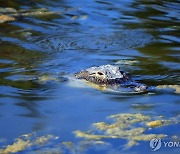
[120, 40]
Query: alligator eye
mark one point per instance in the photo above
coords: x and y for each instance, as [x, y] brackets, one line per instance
[92, 73]
[100, 73]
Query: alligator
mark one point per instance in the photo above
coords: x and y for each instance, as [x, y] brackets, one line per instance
[111, 77]
[108, 78]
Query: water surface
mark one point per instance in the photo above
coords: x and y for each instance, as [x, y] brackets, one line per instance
[140, 36]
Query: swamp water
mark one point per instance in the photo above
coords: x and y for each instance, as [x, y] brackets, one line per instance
[49, 39]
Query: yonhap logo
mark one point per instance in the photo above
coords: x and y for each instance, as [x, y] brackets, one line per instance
[155, 144]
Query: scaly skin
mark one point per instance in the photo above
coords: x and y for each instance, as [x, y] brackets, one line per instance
[110, 76]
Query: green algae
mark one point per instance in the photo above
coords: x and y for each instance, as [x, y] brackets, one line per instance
[8, 14]
[155, 123]
[17, 146]
[132, 127]
[6, 18]
[45, 78]
[26, 141]
[79, 133]
[176, 88]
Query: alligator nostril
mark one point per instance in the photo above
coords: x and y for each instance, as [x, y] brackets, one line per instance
[100, 73]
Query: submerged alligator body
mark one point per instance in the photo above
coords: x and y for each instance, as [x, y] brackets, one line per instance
[111, 77]
[108, 78]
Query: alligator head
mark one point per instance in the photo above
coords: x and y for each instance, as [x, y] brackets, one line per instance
[110, 76]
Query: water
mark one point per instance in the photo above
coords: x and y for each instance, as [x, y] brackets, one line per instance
[141, 36]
